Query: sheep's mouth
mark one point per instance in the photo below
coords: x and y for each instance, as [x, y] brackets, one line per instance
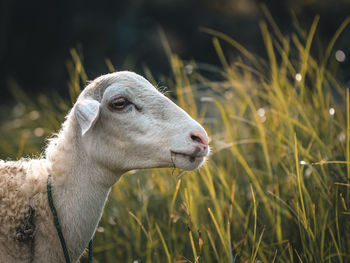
[193, 157]
[189, 161]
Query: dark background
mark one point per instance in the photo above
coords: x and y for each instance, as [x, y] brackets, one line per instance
[36, 36]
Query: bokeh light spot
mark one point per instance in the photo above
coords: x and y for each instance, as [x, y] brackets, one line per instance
[340, 55]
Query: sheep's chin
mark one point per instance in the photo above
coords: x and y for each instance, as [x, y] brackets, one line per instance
[187, 162]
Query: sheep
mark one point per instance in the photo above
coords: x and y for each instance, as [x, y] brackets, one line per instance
[119, 123]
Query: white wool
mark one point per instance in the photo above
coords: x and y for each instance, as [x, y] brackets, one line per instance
[96, 145]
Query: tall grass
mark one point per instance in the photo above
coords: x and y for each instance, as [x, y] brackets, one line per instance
[277, 185]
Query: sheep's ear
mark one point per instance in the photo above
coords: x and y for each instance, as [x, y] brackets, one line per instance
[87, 112]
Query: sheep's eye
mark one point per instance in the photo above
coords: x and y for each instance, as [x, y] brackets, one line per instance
[119, 104]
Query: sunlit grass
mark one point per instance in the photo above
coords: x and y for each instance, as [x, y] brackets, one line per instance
[277, 185]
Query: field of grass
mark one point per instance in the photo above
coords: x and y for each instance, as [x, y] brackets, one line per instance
[277, 185]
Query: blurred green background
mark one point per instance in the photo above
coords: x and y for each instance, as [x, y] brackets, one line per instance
[268, 80]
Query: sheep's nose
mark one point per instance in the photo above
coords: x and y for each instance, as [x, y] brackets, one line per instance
[200, 137]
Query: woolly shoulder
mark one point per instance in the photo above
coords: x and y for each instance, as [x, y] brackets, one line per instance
[21, 183]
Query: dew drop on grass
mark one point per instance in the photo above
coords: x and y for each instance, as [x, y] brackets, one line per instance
[100, 229]
[298, 77]
[331, 111]
[38, 132]
[188, 69]
[261, 112]
[34, 115]
[340, 55]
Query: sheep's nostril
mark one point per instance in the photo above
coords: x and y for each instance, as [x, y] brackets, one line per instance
[196, 138]
[199, 138]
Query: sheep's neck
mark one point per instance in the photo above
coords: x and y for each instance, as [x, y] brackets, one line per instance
[79, 210]
[80, 197]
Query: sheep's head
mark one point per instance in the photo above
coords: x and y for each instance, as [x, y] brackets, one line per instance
[126, 123]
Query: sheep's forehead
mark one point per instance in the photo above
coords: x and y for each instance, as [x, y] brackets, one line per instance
[120, 82]
[132, 86]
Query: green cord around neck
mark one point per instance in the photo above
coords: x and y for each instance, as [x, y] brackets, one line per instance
[58, 226]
